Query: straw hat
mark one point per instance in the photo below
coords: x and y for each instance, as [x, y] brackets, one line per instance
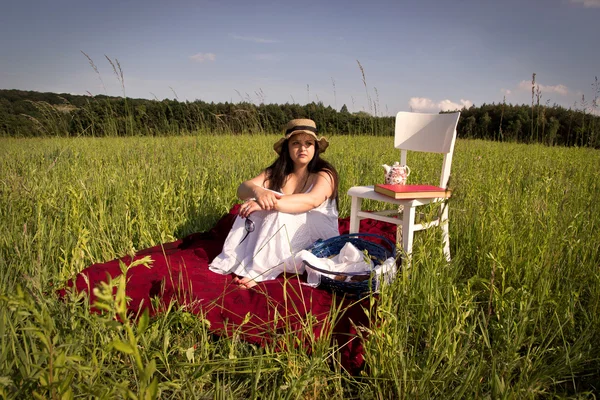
[297, 126]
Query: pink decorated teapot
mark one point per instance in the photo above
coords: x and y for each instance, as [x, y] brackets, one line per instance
[396, 174]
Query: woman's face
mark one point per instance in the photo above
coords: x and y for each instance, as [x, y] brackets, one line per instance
[302, 148]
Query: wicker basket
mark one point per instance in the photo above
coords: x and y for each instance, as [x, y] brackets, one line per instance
[333, 246]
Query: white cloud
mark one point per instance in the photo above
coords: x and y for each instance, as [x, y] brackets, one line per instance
[253, 39]
[559, 89]
[587, 3]
[447, 105]
[505, 92]
[421, 104]
[201, 57]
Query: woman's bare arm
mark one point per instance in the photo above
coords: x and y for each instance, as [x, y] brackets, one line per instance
[252, 188]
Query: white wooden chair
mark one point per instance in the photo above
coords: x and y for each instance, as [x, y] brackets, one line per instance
[433, 133]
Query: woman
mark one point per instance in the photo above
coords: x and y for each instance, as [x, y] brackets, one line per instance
[291, 204]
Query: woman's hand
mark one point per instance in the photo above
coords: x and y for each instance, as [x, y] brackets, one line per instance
[266, 199]
[248, 208]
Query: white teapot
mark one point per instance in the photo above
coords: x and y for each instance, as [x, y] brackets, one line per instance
[396, 174]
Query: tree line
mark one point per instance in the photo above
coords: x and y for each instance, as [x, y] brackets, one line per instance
[28, 113]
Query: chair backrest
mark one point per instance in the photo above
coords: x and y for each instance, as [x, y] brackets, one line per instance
[432, 133]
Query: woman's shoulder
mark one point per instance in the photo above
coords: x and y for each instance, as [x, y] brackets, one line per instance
[326, 174]
[313, 177]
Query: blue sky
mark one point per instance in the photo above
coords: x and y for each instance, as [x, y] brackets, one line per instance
[422, 55]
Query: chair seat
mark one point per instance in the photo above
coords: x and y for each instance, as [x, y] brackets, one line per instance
[368, 192]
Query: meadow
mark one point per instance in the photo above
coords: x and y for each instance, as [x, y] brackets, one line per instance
[515, 314]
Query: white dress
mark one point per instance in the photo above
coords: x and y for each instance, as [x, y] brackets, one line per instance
[269, 250]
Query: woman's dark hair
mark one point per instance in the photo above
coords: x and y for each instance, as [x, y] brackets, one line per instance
[283, 166]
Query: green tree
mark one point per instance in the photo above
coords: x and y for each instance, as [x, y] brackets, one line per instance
[552, 132]
[484, 126]
[469, 126]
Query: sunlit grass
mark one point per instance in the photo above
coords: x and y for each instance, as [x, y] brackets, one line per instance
[516, 313]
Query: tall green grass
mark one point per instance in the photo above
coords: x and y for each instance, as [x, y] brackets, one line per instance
[516, 314]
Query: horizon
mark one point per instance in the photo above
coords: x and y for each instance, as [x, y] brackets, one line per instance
[278, 104]
[381, 58]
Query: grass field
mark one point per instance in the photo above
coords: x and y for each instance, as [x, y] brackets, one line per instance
[516, 314]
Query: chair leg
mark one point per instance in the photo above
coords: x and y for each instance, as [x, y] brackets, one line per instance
[445, 230]
[408, 233]
[354, 220]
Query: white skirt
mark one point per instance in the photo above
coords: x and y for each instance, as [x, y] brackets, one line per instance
[270, 248]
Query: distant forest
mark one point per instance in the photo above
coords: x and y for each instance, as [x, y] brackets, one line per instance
[29, 114]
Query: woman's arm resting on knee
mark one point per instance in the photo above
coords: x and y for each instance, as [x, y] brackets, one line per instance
[252, 188]
[296, 203]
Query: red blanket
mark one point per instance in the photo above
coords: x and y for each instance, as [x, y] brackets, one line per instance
[180, 272]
